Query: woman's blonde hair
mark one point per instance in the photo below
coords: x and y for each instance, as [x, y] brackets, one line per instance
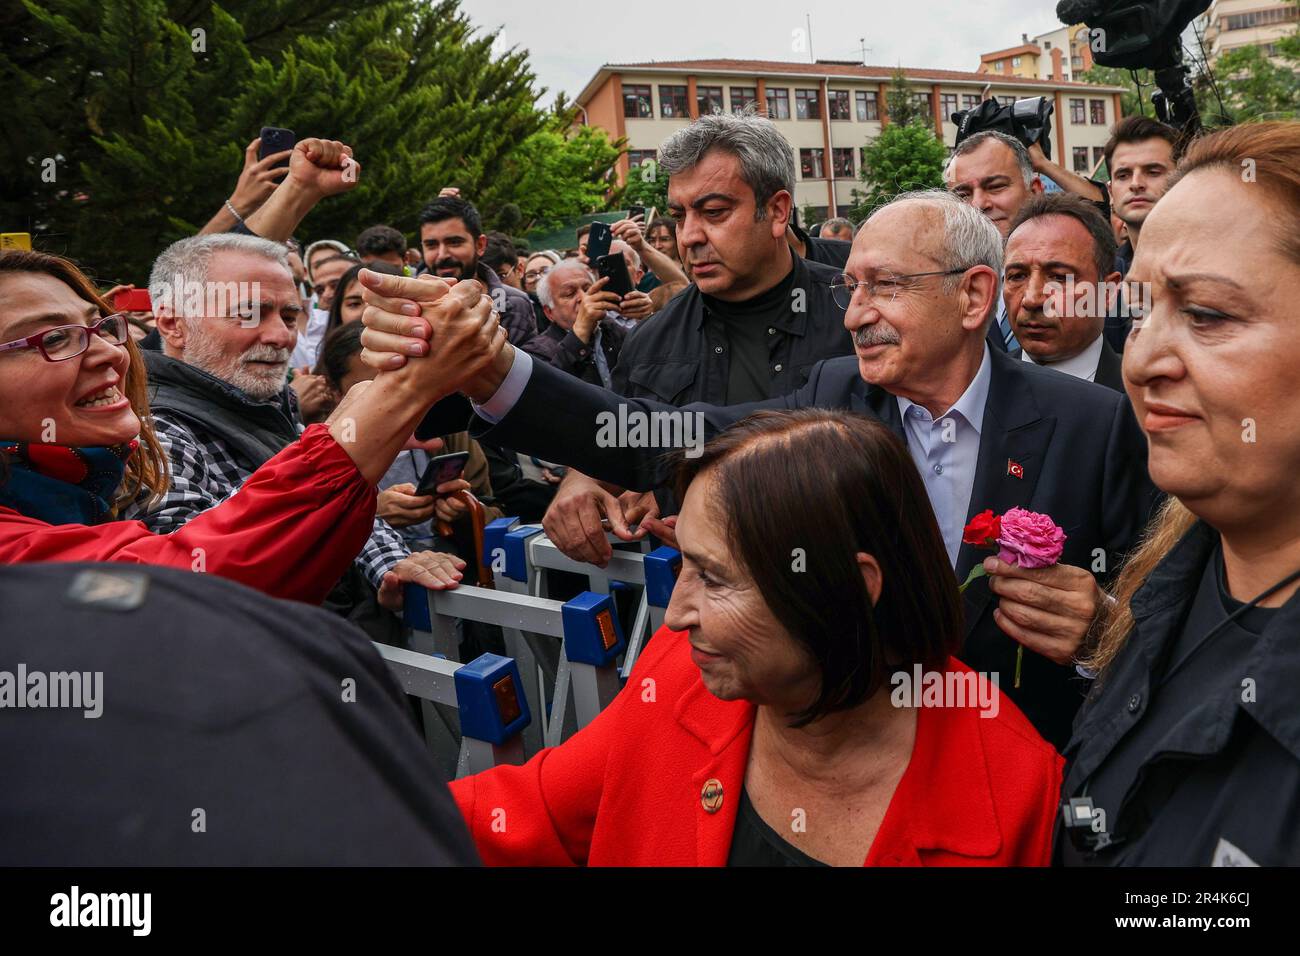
[1271, 154]
[146, 469]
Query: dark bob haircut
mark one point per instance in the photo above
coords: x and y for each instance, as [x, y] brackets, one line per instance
[799, 494]
[336, 351]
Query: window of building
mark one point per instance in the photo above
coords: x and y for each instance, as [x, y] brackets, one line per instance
[947, 106]
[1076, 61]
[970, 101]
[635, 157]
[1047, 44]
[842, 162]
[1097, 112]
[778, 104]
[708, 100]
[672, 102]
[839, 105]
[1076, 111]
[1259, 18]
[807, 105]
[1081, 159]
[925, 101]
[636, 102]
[1098, 154]
[1015, 62]
[868, 108]
[742, 97]
[812, 163]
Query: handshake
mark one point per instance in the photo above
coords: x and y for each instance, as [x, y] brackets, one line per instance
[452, 321]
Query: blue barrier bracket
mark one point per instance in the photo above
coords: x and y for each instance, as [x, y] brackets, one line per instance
[415, 607]
[592, 634]
[490, 697]
[494, 540]
[662, 566]
[516, 542]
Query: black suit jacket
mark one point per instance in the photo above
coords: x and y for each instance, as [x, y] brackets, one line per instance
[1109, 371]
[1081, 458]
[1110, 368]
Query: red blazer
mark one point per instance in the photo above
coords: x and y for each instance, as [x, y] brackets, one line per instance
[290, 531]
[627, 790]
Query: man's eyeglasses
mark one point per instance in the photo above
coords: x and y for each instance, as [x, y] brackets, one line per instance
[536, 273]
[883, 289]
[68, 341]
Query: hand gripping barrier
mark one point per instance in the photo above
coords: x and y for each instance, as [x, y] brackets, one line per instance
[486, 697]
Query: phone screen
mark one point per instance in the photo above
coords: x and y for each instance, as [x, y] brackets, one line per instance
[442, 469]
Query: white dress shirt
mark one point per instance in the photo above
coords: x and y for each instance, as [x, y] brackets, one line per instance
[1083, 365]
[947, 450]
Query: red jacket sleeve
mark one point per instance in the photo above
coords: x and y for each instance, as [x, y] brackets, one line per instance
[290, 531]
[544, 813]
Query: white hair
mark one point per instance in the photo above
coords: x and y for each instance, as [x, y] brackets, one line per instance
[184, 264]
[969, 237]
[618, 245]
[544, 283]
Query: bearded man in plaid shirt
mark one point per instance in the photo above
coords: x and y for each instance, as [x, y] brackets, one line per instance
[221, 406]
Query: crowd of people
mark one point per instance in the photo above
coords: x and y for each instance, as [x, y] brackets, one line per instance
[1113, 357]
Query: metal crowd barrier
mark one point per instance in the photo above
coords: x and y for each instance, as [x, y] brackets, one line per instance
[567, 652]
[583, 634]
[485, 698]
[520, 555]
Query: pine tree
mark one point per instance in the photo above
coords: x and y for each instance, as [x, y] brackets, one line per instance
[142, 108]
[900, 159]
[902, 103]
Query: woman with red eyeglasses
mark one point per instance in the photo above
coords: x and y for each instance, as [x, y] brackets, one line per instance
[76, 444]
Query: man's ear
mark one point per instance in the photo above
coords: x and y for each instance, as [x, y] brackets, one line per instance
[778, 211]
[979, 287]
[1036, 185]
[871, 575]
[1111, 288]
[480, 245]
[170, 328]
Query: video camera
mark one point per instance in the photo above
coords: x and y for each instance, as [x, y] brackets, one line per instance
[1144, 34]
[1028, 120]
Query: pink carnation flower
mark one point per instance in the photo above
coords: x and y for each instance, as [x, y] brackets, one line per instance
[1030, 540]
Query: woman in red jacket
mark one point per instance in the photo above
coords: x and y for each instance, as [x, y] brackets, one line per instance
[773, 720]
[75, 444]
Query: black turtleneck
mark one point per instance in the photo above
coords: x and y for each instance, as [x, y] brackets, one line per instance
[746, 327]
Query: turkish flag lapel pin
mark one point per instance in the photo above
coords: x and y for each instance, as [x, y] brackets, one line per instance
[1015, 470]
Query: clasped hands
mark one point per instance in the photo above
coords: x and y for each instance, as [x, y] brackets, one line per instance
[451, 325]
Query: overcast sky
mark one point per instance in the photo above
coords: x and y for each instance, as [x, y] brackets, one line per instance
[567, 41]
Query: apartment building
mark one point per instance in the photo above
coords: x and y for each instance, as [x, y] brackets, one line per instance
[1060, 54]
[828, 111]
[1229, 24]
